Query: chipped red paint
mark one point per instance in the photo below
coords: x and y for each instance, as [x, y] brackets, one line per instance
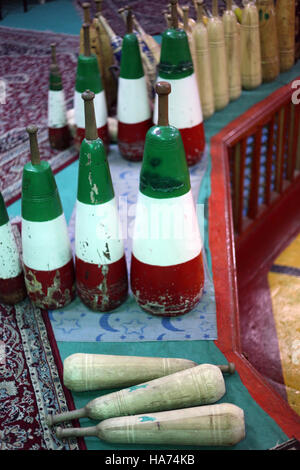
[51, 289]
[102, 288]
[59, 137]
[13, 290]
[102, 133]
[131, 139]
[183, 284]
[193, 139]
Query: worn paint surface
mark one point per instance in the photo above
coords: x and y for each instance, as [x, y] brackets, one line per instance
[97, 233]
[102, 287]
[167, 290]
[10, 264]
[51, 289]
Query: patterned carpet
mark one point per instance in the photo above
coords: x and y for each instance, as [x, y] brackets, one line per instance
[30, 366]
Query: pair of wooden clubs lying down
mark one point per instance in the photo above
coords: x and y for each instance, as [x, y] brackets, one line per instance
[163, 410]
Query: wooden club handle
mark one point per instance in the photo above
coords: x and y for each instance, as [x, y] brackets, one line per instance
[174, 14]
[86, 12]
[129, 20]
[53, 53]
[86, 39]
[34, 148]
[163, 89]
[89, 112]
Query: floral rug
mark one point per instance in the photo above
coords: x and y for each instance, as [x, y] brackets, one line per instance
[31, 383]
[24, 83]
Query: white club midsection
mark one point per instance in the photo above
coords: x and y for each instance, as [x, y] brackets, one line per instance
[98, 238]
[46, 244]
[10, 265]
[166, 231]
[133, 103]
[99, 106]
[57, 116]
[184, 103]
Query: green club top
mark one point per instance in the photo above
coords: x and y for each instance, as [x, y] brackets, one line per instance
[88, 75]
[40, 198]
[164, 172]
[94, 178]
[131, 62]
[175, 57]
[3, 211]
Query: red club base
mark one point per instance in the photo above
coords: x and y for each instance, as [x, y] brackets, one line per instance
[102, 133]
[102, 288]
[13, 290]
[51, 289]
[131, 139]
[59, 138]
[193, 139]
[167, 291]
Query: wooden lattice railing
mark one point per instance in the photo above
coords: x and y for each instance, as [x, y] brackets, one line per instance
[263, 149]
[254, 204]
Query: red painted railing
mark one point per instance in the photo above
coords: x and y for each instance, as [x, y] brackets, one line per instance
[263, 150]
[255, 185]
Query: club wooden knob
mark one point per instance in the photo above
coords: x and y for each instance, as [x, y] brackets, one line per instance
[98, 6]
[86, 12]
[163, 89]
[129, 20]
[89, 112]
[86, 39]
[174, 14]
[34, 149]
[53, 53]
